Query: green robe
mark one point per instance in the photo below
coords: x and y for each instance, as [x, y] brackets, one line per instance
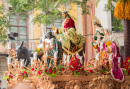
[77, 39]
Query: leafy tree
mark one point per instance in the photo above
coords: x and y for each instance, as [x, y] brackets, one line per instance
[49, 11]
[4, 25]
[49, 8]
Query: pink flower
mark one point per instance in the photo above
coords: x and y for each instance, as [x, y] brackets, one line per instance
[10, 76]
[39, 72]
[7, 79]
[24, 72]
[32, 69]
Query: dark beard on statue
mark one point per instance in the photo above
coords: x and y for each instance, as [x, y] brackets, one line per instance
[65, 16]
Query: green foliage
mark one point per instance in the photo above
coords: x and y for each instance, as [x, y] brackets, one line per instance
[20, 6]
[6, 77]
[4, 25]
[48, 12]
[48, 8]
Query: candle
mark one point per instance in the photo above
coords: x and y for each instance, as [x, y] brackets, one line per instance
[35, 55]
[52, 42]
[32, 61]
[46, 53]
[55, 54]
[9, 45]
[119, 58]
[8, 60]
[22, 62]
[68, 58]
[43, 38]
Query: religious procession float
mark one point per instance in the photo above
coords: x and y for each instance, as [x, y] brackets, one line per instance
[58, 62]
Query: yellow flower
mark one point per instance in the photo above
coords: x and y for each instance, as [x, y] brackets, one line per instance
[119, 10]
[127, 10]
[38, 49]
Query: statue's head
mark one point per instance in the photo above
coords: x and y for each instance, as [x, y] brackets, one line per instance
[19, 48]
[97, 22]
[49, 35]
[108, 31]
[65, 14]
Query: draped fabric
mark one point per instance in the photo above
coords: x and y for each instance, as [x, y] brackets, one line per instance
[116, 72]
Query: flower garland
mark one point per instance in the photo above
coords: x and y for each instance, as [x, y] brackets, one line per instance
[76, 66]
[126, 65]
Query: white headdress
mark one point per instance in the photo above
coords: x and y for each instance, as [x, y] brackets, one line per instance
[112, 37]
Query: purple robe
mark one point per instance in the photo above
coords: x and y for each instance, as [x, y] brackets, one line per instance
[116, 72]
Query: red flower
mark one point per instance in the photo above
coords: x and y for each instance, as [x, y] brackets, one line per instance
[7, 79]
[46, 71]
[78, 70]
[50, 70]
[63, 69]
[77, 63]
[73, 70]
[10, 76]
[129, 71]
[82, 69]
[91, 71]
[39, 72]
[97, 70]
[32, 69]
[24, 72]
[54, 72]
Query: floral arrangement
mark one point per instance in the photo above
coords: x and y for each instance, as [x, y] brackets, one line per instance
[122, 9]
[76, 66]
[39, 73]
[61, 68]
[52, 72]
[104, 72]
[8, 78]
[25, 73]
[126, 65]
[38, 50]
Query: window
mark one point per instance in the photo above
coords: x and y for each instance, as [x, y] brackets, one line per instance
[19, 25]
[57, 24]
[117, 25]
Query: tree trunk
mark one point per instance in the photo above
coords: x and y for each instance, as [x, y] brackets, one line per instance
[127, 38]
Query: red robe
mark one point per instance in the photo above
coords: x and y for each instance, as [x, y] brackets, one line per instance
[69, 23]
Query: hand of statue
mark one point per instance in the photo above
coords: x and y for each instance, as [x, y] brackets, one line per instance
[53, 27]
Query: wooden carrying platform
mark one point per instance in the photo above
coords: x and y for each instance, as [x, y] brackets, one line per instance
[90, 81]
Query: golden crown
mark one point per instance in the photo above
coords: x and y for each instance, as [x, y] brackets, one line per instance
[62, 8]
